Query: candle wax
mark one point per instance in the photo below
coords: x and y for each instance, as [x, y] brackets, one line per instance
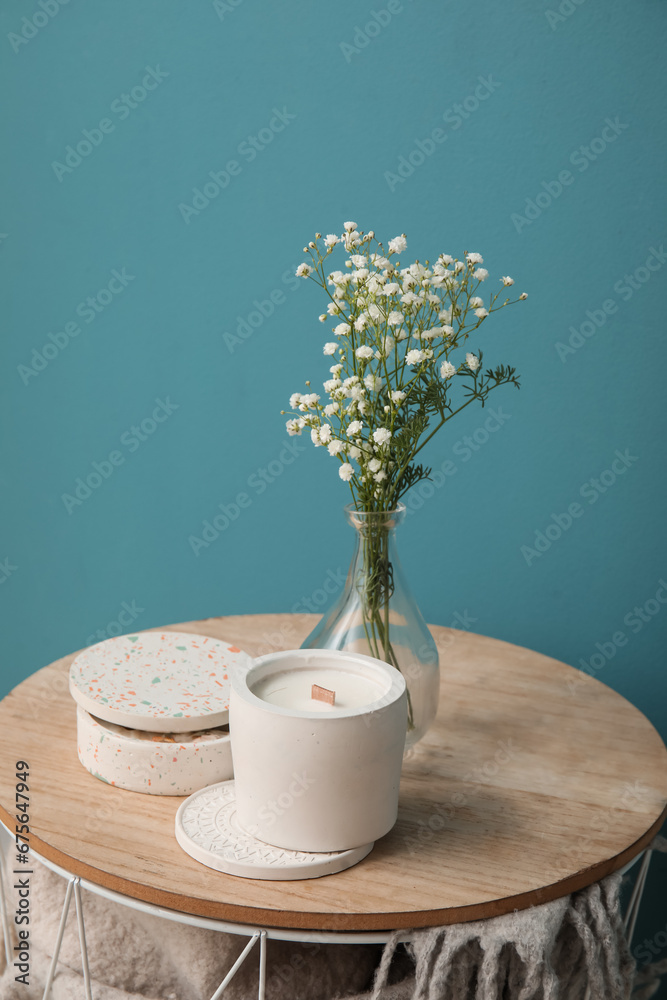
[292, 689]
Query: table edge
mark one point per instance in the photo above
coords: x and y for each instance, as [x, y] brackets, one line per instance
[315, 921]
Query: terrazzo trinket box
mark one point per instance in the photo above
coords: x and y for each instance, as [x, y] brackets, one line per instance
[153, 710]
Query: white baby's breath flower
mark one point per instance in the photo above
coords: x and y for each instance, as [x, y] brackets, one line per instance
[379, 476]
[398, 244]
[354, 428]
[303, 270]
[444, 258]
[414, 357]
[388, 345]
[331, 408]
[307, 400]
[351, 240]
[322, 317]
[331, 385]
[481, 313]
[333, 309]
[481, 274]
[401, 334]
[315, 437]
[373, 383]
[331, 240]
[294, 400]
[391, 288]
[336, 370]
[359, 259]
[325, 433]
[476, 302]
[382, 435]
[380, 262]
[447, 331]
[524, 295]
[349, 227]
[293, 427]
[330, 347]
[447, 369]
[458, 266]
[364, 352]
[474, 258]
[398, 396]
[472, 362]
[395, 318]
[342, 329]
[346, 472]
[374, 311]
[375, 465]
[435, 331]
[354, 452]
[335, 447]
[506, 280]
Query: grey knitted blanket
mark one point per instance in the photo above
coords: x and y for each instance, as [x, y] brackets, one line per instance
[556, 951]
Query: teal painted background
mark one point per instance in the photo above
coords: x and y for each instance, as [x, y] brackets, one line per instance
[144, 304]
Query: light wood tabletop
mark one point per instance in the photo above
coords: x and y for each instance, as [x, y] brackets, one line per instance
[534, 781]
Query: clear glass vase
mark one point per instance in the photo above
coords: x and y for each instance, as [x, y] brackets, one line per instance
[376, 614]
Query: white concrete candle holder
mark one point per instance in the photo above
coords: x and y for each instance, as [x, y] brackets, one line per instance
[311, 775]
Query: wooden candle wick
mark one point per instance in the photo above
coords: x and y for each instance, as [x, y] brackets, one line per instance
[318, 693]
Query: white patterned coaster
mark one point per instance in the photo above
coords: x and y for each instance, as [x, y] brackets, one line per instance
[161, 682]
[207, 829]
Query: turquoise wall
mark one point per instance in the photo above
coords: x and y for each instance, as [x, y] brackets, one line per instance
[167, 162]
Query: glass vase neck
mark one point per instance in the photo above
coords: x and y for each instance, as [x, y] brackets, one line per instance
[366, 521]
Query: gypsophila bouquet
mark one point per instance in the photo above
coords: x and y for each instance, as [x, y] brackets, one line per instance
[398, 374]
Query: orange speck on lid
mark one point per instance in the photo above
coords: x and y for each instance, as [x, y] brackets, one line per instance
[219, 684]
[174, 759]
[233, 649]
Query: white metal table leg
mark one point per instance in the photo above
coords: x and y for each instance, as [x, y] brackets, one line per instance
[59, 939]
[6, 935]
[236, 966]
[82, 939]
[636, 898]
[262, 966]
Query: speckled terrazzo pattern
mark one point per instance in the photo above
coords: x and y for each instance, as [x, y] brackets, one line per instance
[157, 681]
[155, 763]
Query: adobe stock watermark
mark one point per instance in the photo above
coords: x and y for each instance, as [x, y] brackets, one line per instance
[635, 621]
[31, 26]
[88, 310]
[591, 490]
[582, 157]
[601, 822]
[7, 569]
[649, 949]
[261, 311]
[126, 616]
[464, 449]
[130, 440]
[454, 116]
[249, 150]
[363, 36]
[122, 107]
[443, 812]
[258, 482]
[222, 7]
[625, 288]
[272, 809]
[565, 10]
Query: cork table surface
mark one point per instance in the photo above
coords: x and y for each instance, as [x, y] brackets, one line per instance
[535, 780]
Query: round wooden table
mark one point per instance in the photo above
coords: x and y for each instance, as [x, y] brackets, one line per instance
[534, 781]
